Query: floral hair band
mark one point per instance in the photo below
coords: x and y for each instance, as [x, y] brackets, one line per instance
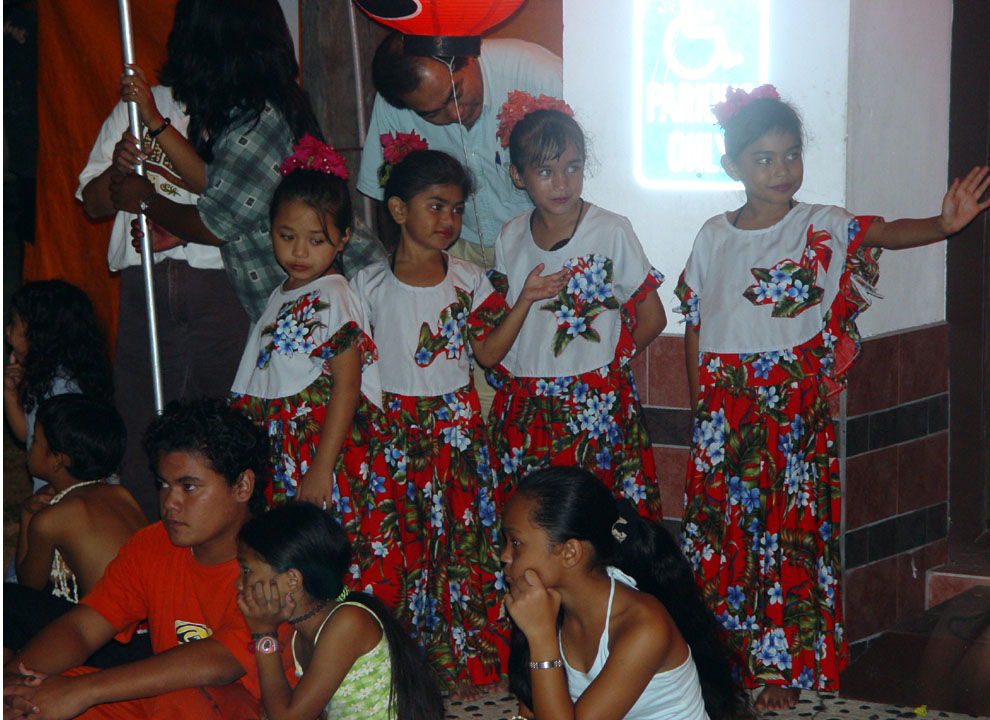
[519, 105]
[737, 98]
[311, 154]
[395, 148]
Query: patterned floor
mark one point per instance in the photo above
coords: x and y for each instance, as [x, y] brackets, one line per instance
[498, 706]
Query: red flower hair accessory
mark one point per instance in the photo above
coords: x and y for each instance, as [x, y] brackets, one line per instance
[311, 154]
[737, 98]
[519, 105]
[395, 148]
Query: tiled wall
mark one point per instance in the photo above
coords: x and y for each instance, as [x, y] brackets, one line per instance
[895, 478]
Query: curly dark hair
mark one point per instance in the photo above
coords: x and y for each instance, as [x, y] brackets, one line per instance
[225, 437]
[63, 339]
[226, 60]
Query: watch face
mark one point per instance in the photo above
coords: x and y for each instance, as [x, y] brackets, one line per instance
[267, 645]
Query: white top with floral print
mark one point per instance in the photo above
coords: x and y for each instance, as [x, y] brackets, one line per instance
[287, 346]
[768, 289]
[578, 330]
[422, 330]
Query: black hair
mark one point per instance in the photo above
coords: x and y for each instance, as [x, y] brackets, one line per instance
[226, 60]
[420, 170]
[302, 536]
[396, 74]
[755, 120]
[89, 432]
[326, 194]
[570, 502]
[226, 438]
[63, 340]
[542, 135]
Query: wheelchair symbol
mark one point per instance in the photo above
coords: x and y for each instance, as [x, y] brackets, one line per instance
[697, 25]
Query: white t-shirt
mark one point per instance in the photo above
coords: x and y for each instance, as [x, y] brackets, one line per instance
[608, 267]
[283, 353]
[120, 253]
[506, 65]
[749, 298]
[423, 330]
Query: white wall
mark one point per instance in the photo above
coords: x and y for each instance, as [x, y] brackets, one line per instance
[875, 69]
[898, 145]
[291, 10]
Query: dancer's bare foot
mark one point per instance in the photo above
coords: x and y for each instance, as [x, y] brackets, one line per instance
[775, 697]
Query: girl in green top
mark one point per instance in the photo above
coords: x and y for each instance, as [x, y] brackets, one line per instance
[352, 657]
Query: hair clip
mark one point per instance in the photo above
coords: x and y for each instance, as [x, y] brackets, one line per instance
[737, 98]
[519, 105]
[616, 532]
[311, 154]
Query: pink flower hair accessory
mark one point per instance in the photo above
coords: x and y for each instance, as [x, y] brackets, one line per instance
[737, 98]
[519, 105]
[311, 154]
[395, 148]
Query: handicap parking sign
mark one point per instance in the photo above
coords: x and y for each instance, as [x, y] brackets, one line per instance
[687, 53]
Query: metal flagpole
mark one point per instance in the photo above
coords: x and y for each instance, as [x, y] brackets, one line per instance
[147, 258]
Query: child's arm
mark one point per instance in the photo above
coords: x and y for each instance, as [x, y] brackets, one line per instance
[490, 351]
[180, 151]
[350, 633]
[691, 363]
[650, 320]
[959, 206]
[634, 658]
[317, 484]
[13, 375]
[40, 527]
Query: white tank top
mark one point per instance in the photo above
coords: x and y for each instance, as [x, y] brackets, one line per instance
[670, 695]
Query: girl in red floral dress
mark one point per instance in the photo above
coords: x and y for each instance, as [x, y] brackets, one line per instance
[433, 312]
[565, 393]
[770, 295]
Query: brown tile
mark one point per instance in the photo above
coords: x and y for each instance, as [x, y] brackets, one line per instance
[873, 377]
[912, 577]
[943, 586]
[639, 366]
[870, 596]
[672, 470]
[668, 378]
[922, 474]
[923, 363]
[871, 487]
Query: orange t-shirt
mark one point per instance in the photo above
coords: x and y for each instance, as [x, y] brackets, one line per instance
[182, 600]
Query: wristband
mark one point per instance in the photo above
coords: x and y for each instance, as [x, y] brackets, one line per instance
[270, 633]
[266, 645]
[546, 664]
[155, 133]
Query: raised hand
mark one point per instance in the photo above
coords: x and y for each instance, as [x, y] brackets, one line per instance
[263, 607]
[533, 606]
[13, 375]
[161, 239]
[135, 88]
[962, 200]
[126, 155]
[538, 287]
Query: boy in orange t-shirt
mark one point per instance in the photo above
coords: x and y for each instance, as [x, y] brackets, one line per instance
[180, 574]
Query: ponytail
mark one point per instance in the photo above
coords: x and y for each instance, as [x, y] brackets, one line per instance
[570, 502]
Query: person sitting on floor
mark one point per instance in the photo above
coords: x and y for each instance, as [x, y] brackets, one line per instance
[180, 574]
[75, 524]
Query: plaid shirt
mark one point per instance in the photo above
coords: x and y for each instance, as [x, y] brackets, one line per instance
[234, 206]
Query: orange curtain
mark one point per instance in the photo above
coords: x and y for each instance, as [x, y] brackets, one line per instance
[79, 65]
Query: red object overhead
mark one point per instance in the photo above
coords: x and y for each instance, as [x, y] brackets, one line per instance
[438, 22]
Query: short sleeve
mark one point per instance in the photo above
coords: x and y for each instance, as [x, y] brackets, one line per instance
[487, 311]
[688, 302]
[371, 154]
[631, 266]
[243, 175]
